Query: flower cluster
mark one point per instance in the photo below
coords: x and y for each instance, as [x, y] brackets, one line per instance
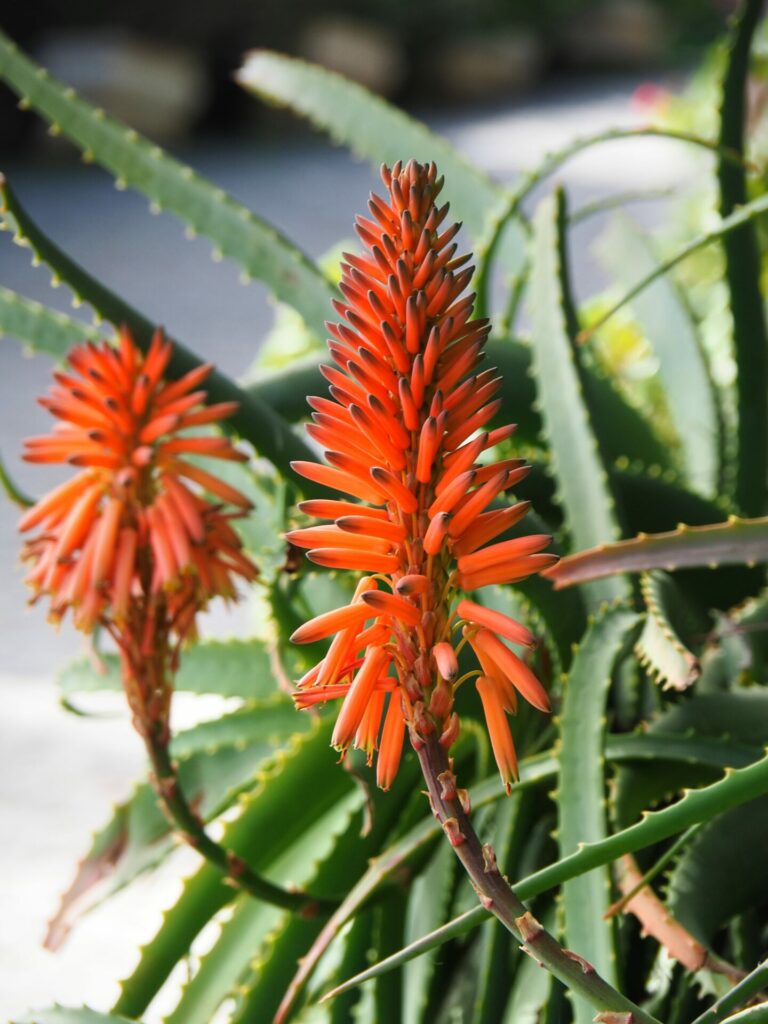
[132, 542]
[405, 431]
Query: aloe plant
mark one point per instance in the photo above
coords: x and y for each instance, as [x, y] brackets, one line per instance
[649, 632]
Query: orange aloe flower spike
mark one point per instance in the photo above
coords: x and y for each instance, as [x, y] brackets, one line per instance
[409, 413]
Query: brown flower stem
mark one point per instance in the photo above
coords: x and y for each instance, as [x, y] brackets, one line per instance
[190, 828]
[657, 921]
[497, 896]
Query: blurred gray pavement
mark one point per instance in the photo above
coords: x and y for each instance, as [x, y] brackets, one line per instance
[59, 773]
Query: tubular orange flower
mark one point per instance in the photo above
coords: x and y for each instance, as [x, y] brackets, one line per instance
[404, 427]
[132, 542]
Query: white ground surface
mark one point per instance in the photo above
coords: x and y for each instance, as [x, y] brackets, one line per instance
[58, 773]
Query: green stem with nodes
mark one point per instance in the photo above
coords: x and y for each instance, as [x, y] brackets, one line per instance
[497, 896]
[191, 830]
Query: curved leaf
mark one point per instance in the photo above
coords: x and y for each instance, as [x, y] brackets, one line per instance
[370, 126]
[731, 722]
[12, 491]
[744, 215]
[660, 647]
[743, 274]
[216, 761]
[726, 860]
[737, 787]
[40, 329]
[69, 1015]
[735, 542]
[262, 832]
[253, 420]
[237, 233]
[227, 668]
[577, 461]
[248, 946]
[669, 327]
[741, 993]
[753, 1015]
[581, 791]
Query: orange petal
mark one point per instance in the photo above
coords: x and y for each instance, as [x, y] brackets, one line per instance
[331, 622]
[108, 527]
[476, 502]
[356, 700]
[367, 735]
[498, 729]
[496, 622]
[123, 572]
[506, 551]
[56, 502]
[508, 572]
[332, 536]
[328, 508]
[391, 745]
[521, 677]
[340, 481]
[210, 483]
[391, 604]
[382, 529]
[489, 525]
[395, 489]
[436, 533]
[445, 659]
[414, 583]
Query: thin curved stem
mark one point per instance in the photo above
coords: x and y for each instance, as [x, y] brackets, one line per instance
[191, 830]
[740, 994]
[497, 896]
[486, 248]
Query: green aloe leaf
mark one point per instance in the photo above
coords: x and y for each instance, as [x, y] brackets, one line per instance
[581, 791]
[739, 786]
[661, 646]
[668, 325]
[746, 214]
[254, 420]
[40, 329]
[578, 462]
[550, 164]
[274, 983]
[370, 126]
[248, 945]
[217, 760]
[727, 857]
[428, 905]
[12, 491]
[741, 993]
[261, 833]
[752, 1015]
[227, 668]
[735, 542]
[734, 723]
[135, 162]
[69, 1015]
[743, 274]
[533, 770]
